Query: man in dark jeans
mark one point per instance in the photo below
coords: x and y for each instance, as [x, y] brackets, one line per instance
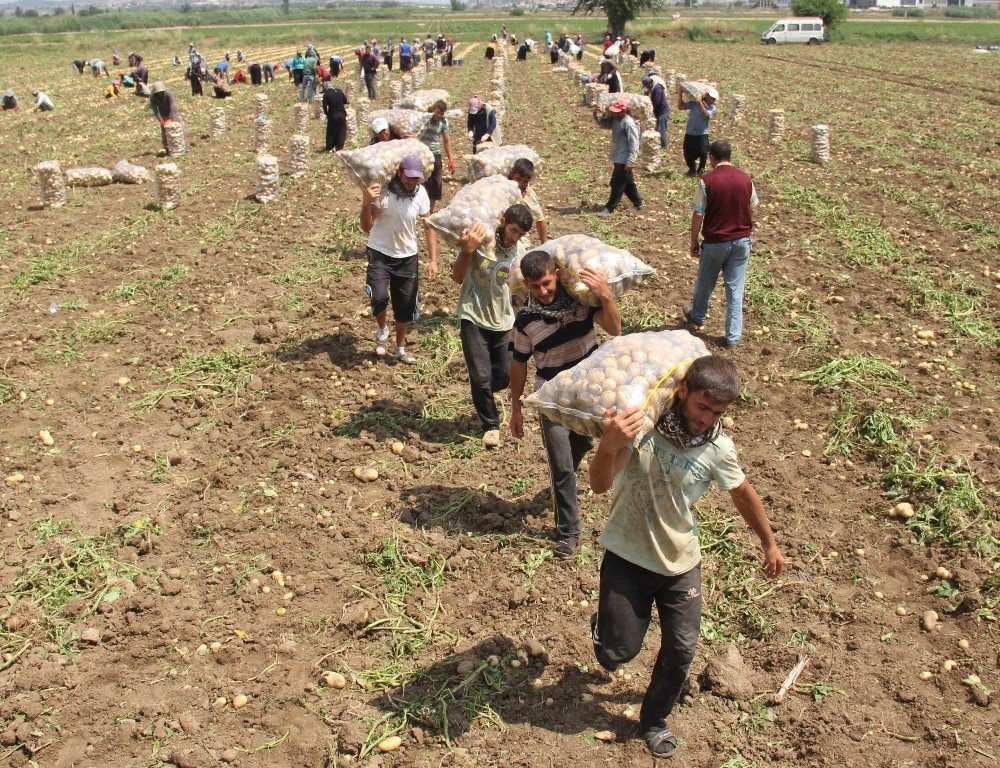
[369, 65]
[558, 332]
[486, 313]
[651, 537]
[334, 107]
[700, 111]
[624, 153]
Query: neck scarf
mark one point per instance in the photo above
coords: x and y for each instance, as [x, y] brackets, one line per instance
[397, 188]
[671, 426]
[562, 305]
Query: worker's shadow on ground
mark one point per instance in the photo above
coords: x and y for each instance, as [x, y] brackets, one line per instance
[343, 349]
[447, 702]
[476, 510]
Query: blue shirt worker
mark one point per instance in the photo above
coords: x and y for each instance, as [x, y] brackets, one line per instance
[624, 153]
[700, 112]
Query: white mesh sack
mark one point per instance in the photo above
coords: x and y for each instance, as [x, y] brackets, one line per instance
[176, 139]
[640, 370]
[574, 253]
[52, 183]
[268, 180]
[499, 160]
[124, 172]
[482, 201]
[298, 150]
[695, 88]
[217, 117]
[402, 121]
[168, 185]
[377, 163]
[639, 105]
[422, 99]
[88, 177]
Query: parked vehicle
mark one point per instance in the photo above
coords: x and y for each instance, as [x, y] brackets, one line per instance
[808, 29]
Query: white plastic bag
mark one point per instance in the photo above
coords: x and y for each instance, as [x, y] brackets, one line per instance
[378, 163]
[482, 201]
[572, 254]
[640, 370]
[499, 160]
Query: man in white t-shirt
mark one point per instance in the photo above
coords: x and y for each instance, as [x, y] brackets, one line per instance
[390, 220]
[651, 538]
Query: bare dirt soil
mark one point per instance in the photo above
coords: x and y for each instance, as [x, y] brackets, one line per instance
[192, 537]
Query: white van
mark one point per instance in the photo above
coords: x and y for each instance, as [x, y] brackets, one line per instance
[808, 29]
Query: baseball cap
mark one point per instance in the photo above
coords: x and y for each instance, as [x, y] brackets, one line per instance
[413, 167]
[157, 87]
[618, 106]
[475, 104]
[712, 92]
[380, 124]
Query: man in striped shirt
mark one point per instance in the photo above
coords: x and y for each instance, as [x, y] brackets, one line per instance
[558, 332]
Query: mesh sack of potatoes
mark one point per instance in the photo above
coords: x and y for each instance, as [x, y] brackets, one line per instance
[124, 172]
[574, 253]
[268, 180]
[261, 105]
[300, 117]
[377, 163]
[298, 151]
[218, 120]
[640, 370]
[696, 88]
[88, 177]
[176, 138]
[421, 99]
[498, 160]
[168, 185]
[639, 105]
[482, 201]
[402, 121]
[52, 183]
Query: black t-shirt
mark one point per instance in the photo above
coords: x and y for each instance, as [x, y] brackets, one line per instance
[334, 102]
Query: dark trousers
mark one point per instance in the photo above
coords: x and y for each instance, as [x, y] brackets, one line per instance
[627, 595]
[336, 131]
[565, 450]
[487, 358]
[623, 182]
[388, 62]
[393, 280]
[405, 63]
[370, 84]
[695, 150]
[196, 89]
[297, 76]
[255, 77]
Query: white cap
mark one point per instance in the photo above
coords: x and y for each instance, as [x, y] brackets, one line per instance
[712, 92]
[380, 124]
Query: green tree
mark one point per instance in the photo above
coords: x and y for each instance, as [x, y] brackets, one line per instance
[831, 11]
[286, 6]
[458, 6]
[58, 11]
[619, 12]
[18, 12]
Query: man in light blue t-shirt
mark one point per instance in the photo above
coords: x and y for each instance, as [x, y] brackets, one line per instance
[700, 112]
[651, 538]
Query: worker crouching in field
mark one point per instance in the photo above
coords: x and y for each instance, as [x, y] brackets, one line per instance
[624, 153]
[558, 332]
[390, 217]
[651, 538]
[486, 314]
[164, 107]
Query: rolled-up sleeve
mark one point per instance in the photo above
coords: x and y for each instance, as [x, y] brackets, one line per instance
[698, 198]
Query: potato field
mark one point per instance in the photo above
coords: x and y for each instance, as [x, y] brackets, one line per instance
[231, 534]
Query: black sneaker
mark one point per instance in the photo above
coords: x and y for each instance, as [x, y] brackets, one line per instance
[661, 742]
[598, 648]
[565, 548]
[690, 174]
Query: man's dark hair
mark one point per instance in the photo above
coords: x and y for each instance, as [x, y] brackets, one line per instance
[717, 377]
[440, 104]
[520, 215]
[537, 264]
[720, 150]
[523, 167]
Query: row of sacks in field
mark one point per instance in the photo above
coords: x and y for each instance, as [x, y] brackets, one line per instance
[54, 181]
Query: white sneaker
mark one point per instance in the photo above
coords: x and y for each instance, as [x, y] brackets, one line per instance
[380, 339]
[604, 213]
[491, 438]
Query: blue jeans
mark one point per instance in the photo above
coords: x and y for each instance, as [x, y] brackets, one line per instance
[662, 123]
[731, 259]
[308, 89]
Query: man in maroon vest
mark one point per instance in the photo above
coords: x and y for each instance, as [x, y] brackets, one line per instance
[721, 213]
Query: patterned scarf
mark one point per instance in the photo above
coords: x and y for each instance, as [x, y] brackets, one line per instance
[671, 426]
[561, 306]
[397, 188]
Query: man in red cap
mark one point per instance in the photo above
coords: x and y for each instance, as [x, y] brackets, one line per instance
[624, 153]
